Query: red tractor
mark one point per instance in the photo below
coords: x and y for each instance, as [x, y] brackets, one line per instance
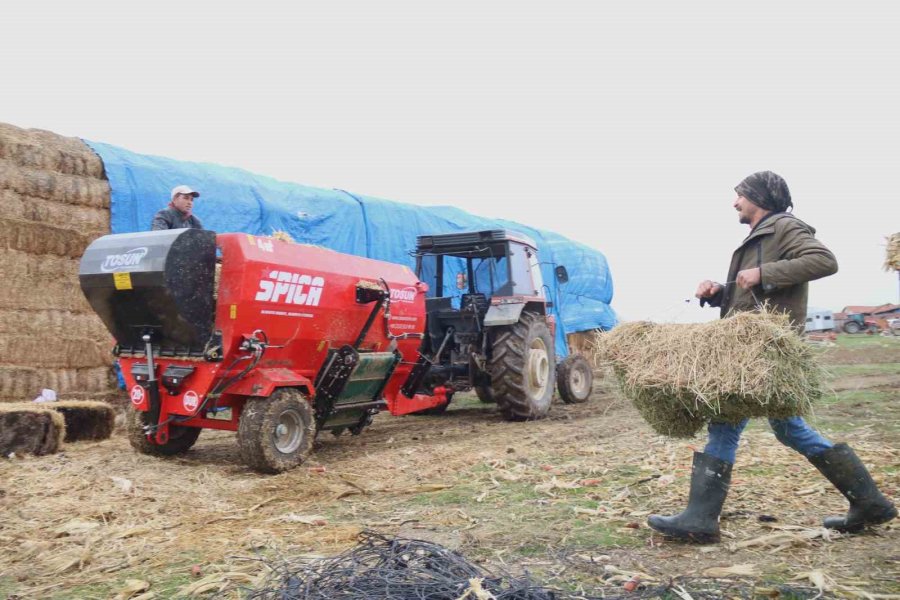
[274, 340]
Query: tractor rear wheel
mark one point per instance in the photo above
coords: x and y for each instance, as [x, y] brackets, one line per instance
[575, 379]
[522, 371]
[276, 433]
[180, 438]
[484, 394]
[852, 327]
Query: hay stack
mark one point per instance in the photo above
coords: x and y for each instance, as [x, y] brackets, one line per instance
[892, 258]
[680, 377]
[54, 200]
[30, 430]
[84, 419]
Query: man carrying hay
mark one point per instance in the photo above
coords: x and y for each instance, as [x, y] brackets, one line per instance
[179, 213]
[772, 266]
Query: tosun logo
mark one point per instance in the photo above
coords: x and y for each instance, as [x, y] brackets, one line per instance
[132, 258]
[407, 294]
[291, 288]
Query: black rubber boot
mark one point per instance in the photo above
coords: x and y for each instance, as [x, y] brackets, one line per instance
[710, 478]
[849, 475]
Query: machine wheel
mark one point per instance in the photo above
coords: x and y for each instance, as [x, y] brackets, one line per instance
[180, 438]
[575, 379]
[852, 327]
[873, 328]
[276, 433]
[484, 394]
[522, 372]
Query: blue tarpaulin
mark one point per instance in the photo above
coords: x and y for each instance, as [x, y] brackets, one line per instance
[234, 200]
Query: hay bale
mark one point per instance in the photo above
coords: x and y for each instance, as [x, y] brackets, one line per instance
[46, 150]
[48, 323]
[30, 430]
[88, 220]
[892, 256]
[681, 376]
[40, 238]
[24, 383]
[84, 419]
[69, 189]
[53, 350]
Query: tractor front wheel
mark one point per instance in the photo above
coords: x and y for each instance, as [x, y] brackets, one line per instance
[180, 438]
[575, 378]
[276, 434]
[522, 371]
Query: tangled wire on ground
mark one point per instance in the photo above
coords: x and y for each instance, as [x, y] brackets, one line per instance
[383, 568]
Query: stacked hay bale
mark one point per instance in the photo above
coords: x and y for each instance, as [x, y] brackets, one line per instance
[681, 376]
[892, 256]
[54, 200]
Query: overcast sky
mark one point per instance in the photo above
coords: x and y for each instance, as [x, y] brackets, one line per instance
[622, 125]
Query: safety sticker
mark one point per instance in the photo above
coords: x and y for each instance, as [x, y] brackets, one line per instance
[233, 311]
[137, 395]
[122, 281]
[190, 401]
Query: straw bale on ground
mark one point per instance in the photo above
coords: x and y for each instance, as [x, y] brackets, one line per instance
[48, 151]
[18, 383]
[85, 419]
[892, 258]
[681, 376]
[30, 430]
[89, 220]
[69, 189]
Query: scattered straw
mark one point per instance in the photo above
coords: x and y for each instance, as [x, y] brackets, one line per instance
[680, 376]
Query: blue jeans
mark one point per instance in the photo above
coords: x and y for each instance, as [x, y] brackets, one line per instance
[792, 432]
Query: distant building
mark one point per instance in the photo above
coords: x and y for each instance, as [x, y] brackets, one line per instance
[819, 320]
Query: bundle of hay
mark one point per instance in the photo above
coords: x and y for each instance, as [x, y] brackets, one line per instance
[30, 430]
[84, 419]
[681, 376]
[892, 257]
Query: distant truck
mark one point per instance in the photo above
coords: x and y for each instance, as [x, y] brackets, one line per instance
[819, 320]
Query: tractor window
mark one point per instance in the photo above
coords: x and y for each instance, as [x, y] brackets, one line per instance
[428, 274]
[491, 276]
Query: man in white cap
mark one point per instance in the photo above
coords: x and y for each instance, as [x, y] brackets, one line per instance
[178, 214]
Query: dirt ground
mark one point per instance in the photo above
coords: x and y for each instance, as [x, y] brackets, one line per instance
[565, 498]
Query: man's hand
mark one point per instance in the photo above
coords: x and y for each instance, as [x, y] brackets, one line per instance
[748, 278]
[707, 289]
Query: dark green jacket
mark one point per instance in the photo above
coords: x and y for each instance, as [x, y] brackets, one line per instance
[789, 256]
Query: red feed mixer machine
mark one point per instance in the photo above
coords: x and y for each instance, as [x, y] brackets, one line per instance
[288, 340]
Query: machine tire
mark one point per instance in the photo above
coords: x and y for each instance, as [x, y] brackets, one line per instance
[180, 438]
[276, 434]
[575, 379]
[852, 327]
[522, 373]
[484, 394]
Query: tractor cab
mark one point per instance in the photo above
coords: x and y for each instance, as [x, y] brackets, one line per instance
[476, 280]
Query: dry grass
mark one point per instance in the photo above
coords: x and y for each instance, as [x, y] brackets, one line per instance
[681, 376]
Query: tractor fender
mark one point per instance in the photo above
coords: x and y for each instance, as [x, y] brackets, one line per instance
[264, 381]
[503, 314]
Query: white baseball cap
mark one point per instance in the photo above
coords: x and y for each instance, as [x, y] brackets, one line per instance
[183, 189]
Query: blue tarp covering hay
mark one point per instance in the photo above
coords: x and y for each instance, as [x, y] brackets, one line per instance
[234, 200]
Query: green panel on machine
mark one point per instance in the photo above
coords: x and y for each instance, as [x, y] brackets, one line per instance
[368, 377]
